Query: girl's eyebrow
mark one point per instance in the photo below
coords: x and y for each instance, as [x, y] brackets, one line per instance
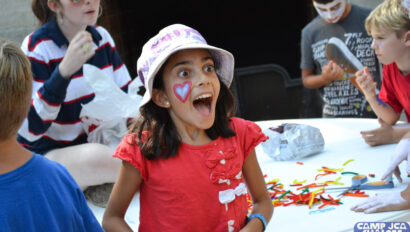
[207, 58]
[181, 63]
[190, 62]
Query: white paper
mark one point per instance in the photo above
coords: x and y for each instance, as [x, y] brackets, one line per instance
[105, 117]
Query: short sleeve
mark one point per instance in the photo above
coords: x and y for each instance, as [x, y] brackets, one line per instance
[249, 134]
[130, 152]
[387, 92]
[306, 50]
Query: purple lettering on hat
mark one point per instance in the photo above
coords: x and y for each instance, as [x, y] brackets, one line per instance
[141, 76]
[182, 90]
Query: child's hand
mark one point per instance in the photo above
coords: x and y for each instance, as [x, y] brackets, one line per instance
[366, 83]
[79, 51]
[379, 136]
[382, 202]
[332, 71]
[401, 153]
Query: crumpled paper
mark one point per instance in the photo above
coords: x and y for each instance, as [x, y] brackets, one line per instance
[105, 118]
[291, 141]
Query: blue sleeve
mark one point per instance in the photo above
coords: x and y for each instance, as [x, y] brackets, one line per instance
[90, 222]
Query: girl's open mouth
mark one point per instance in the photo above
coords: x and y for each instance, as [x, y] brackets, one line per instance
[203, 104]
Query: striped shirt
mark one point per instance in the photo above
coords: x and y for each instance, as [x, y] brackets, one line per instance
[53, 120]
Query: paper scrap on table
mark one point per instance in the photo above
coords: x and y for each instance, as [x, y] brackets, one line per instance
[105, 117]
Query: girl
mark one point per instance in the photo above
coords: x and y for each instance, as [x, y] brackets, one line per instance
[188, 157]
[57, 50]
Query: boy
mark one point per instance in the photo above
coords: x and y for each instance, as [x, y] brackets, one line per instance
[390, 31]
[389, 25]
[35, 194]
[342, 20]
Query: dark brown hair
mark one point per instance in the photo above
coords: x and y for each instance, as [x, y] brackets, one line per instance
[41, 10]
[323, 1]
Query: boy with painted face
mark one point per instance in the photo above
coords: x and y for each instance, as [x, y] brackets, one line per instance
[345, 21]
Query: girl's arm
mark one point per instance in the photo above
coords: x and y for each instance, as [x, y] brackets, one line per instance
[257, 189]
[124, 190]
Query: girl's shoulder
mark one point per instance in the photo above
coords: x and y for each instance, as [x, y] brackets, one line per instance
[132, 138]
[105, 35]
[242, 126]
[240, 122]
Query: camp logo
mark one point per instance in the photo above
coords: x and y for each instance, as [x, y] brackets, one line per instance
[382, 227]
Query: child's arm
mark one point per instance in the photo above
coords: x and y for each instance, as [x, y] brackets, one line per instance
[368, 86]
[330, 73]
[257, 190]
[124, 190]
[385, 134]
[385, 202]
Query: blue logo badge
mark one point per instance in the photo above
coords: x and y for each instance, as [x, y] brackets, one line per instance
[382, 227]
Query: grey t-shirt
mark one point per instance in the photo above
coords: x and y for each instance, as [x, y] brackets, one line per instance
[340, 98]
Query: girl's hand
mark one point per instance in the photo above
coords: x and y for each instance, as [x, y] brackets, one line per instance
[79, 51]
[366, 83]
[332, 72]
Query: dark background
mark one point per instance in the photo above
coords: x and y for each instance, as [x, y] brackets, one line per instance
[256, 32]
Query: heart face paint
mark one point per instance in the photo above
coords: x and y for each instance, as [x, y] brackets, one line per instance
[331, 12]
[182, 91]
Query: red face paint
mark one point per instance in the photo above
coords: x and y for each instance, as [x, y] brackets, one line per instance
[182, 90]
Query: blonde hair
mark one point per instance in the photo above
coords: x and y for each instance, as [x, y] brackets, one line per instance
[389, 15]
[15, 88]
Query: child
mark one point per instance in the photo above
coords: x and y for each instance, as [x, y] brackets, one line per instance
[340, 19]
[36, 194]
[393, 200]
[389, 25]
[187, 155]
[67, 39]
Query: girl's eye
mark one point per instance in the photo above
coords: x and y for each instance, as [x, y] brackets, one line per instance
[183, 73]
[209, 68]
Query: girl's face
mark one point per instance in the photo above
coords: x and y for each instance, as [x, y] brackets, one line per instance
[78, 12]
[387, 46]
[191, 88]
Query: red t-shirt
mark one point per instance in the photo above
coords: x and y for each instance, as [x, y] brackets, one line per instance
[395, 89]
[199, 189]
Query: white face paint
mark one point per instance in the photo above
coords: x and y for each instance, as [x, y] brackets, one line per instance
[331, 12]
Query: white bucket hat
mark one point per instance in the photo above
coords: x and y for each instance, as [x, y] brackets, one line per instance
[171, 39]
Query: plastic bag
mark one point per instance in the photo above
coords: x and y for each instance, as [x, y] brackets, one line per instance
[291, 141]
[105, 118]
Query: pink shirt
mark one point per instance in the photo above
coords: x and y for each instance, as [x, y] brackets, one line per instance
[199, 189]
[395, 89]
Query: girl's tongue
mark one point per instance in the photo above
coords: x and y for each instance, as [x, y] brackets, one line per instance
[203, 106]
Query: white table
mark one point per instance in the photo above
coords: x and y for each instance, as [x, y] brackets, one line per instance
[342, 142]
